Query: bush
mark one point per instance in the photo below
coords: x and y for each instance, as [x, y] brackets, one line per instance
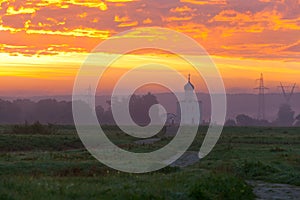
[35, 128]
[254, 169]
[214, 187]
[277, 149]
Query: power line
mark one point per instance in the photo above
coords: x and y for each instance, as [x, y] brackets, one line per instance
[287, 94]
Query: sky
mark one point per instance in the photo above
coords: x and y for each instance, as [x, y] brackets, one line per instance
[43, 43]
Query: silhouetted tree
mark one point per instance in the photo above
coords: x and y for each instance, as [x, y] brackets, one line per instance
[99, 112]
[107, 117]
[35, 128]
[60, 112]
[139, 108]
[245, 120]
[230, 122]
[9, 113]
[26, 109]
[297, 123]
[285, 116]
[44, 111]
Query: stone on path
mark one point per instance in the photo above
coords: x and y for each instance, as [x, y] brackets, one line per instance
[275, 191]
[147, 141]
[188, 158]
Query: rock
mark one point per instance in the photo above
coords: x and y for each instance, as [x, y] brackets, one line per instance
[272, 191]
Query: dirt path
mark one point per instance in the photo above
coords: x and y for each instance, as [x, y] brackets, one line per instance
[188, 158]
[275, 191]
[263, 190]
[147, 141]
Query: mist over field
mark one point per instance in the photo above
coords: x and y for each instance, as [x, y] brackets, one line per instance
[236, 104]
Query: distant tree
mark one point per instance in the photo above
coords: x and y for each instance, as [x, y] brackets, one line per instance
[285, 116]
[230, 122]
[26, 107]
[9, 113]
[263, 122]
[99, 112]
[65, 114]
[45, 111]
[139, 108]
[84, 112]
[107, 117]
[244, 120]
[297, 123]
[35, 128]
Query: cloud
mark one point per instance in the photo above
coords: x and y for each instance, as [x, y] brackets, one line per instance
[205, 2]
[128, 24]
[147, 21]
[223, 27]
[120, 1]
[182, 9]
[11, 11]
[294, 48]
[34, 50]
[172, 19]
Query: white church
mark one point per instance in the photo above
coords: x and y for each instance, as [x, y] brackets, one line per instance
[189, 104]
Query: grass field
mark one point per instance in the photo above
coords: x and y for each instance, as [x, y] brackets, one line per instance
[58, 166]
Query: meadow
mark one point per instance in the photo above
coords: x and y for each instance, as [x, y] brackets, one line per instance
[57, 166]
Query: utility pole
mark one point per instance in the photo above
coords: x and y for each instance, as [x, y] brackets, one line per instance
[89, 96]
[261, 98]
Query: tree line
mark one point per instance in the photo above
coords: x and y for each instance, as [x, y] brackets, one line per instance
[51, 111]
[286, 117]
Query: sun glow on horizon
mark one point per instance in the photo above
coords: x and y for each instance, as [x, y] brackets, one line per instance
[45, 42]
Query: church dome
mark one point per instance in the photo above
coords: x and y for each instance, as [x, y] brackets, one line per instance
[189, 86]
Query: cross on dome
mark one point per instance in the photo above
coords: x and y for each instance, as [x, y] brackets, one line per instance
[189, 86]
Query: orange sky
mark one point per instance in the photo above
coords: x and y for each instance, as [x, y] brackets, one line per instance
[44, 42]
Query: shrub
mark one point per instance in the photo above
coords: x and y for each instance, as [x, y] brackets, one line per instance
[35, 128]
[254, 169]
[214, 187]
[277, 149]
